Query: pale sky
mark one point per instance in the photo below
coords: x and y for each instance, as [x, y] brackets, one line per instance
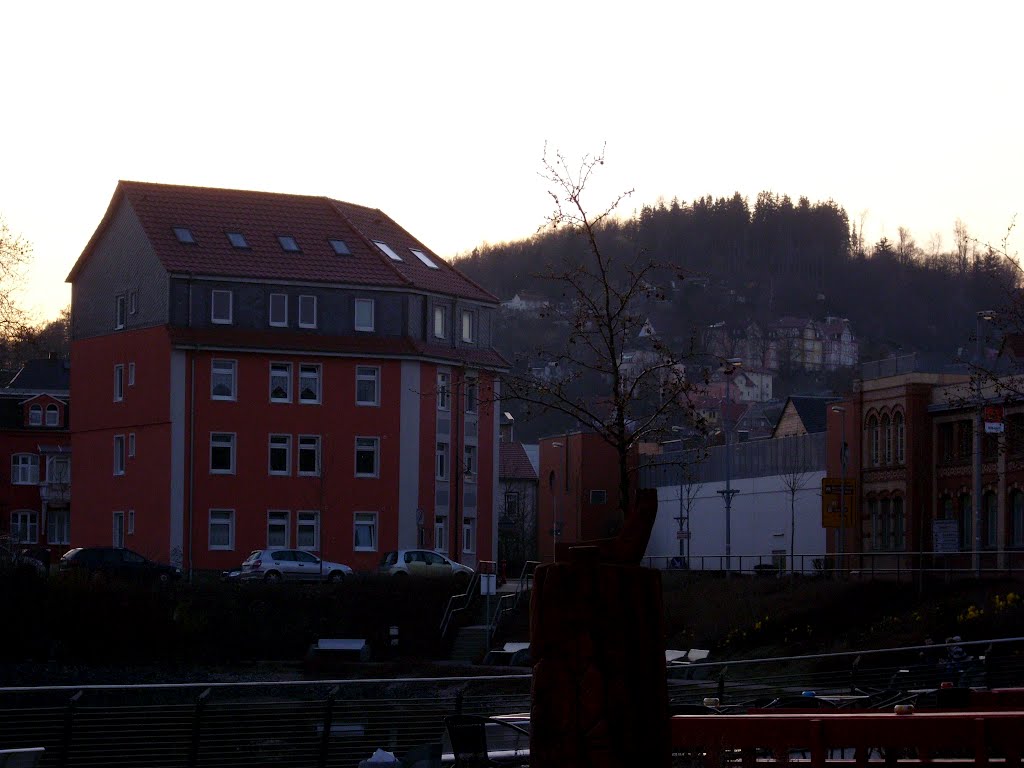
[438, 113]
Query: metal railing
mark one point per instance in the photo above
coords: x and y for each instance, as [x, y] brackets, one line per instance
[512, 601]
[459, 604]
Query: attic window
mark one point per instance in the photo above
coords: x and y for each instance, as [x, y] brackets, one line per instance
[237, 239]
[184, 235]
[387, 249]
[289, 243]
[423, 257]
[340, 247]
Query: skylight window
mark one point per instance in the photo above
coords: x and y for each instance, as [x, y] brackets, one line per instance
[184, 235]
[289, 243]
[423, 257]
[237, 239]
[387, 249]
[340, 247]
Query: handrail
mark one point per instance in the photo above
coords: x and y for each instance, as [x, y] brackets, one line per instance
[459, 602]
[525, 579]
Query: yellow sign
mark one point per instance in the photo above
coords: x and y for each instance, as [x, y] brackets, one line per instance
[832, 489]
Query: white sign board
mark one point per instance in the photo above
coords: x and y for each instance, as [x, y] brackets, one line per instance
[488, 584]
[994, 428]
[945, 536]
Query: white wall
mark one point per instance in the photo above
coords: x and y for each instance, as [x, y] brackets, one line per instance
[760, 523]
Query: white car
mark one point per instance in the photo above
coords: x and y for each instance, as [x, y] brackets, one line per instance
[424, 563]
[278, 564]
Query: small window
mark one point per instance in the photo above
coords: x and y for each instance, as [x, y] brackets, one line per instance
[364, 314]
[387, 250]
[118, 383]
[309, 384]
[470, 462]
[52, 416]
[367, 379]
[237, 240]
[131, 374]
[440, 534]
[220, 307]
[309, 455]
[222, 380]
[133, 302]
[365, 532]
[131, 445]
[222, 453]
[119, 312]
[424, 258]
[25, 469]
[280, 455]
[289, 243]
[277, 528]
[340, 247]
[222, 529]
[307, 311]
[117, 539]
[280, 382]
[367, 450]
[184, 235]
[599, 497]
[467, 327]
[471, 395]
[441, 471]
[35, 415]
[307, 531]
[468, 536]
[118, 454]
[279, 309]
[440, 322]
[443, 391]
[131, 522]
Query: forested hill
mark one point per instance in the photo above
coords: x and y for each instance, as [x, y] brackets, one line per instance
[778, 258]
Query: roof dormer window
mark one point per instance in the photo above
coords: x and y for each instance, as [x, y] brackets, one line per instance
[237, 239]
[340, 248]
[423, 257]
[289, 243]
[387, 250]
[184, 235]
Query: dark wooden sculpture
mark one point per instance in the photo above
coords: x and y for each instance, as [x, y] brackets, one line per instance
[599, 695]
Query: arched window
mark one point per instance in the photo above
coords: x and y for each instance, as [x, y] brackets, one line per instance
[35, 415]
[899, 429]
[52, 415]
[886, 440]
[872, 440]
[1017, 519]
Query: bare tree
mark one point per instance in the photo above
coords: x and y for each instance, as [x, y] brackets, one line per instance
[607, 299]
[15, 256]
[795, 480]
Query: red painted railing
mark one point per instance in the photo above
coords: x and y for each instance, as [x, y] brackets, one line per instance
[826, 738]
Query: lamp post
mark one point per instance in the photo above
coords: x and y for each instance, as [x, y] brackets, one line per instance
[983, 315]
[842, 486]
[730, 367]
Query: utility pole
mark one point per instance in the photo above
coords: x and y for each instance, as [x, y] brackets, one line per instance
[730, 367]
[979, 434]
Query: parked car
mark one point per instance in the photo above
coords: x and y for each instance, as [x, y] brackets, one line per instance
[278, 564]
[20, 562]
[424, 563]
[115, 564]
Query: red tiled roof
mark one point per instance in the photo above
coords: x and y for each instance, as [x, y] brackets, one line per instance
[263, 216]
[312, 343]
[513, 463]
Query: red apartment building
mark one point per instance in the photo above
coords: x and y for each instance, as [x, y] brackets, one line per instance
[254, 369]
[35, 498]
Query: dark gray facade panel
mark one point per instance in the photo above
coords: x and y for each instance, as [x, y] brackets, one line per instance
[418, 325]
[122, 263]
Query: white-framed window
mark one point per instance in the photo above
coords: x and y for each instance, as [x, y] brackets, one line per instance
[223, 379]
[120, 315]
[58, 526]
[280, 459]
[25, 526]
[133, 302]
[118, 383]
[367, 459]
[599, 496]
[118, 454]
[468, 334]
[444, 391]
[117, 534]
[440, 322]
[277, 527]
[25, 469]
[131, 522]
[222, 453]
[307, 311]
[307, 530]
[441, 466]
[367, 385]
[309, 383]
[364, 533]
[471, 468]
[220, 307]
[222, 529]
[440, 534]
[309, 455]
[472, 395]
[279, 309]
[35, 415]
[469, 535]
[899, 428]
[131, 445]
[280, 382]
[52, 415]
[131, 374]
[364, 319]
[58, 470]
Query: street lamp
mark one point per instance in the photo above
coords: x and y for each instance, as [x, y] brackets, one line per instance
[730, 367]
[842, 486]
[984, 315]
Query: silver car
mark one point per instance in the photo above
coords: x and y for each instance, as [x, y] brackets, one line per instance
[424, 563]
[276, 564]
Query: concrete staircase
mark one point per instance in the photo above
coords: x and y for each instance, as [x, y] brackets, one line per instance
[470, 643]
